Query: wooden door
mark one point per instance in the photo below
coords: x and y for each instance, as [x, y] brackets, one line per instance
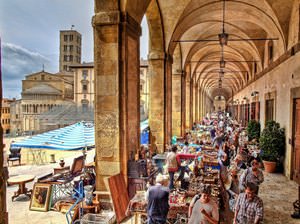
[270, 110]
[296, 154]
[253, 112]
[257, 111]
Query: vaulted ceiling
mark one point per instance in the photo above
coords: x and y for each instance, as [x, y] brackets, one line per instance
[171, 22]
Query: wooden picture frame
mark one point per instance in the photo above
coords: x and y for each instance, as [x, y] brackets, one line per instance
[41, 197]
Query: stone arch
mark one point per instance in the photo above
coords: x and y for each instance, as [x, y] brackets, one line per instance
[261, 14]
[155, 25]
[294, 25]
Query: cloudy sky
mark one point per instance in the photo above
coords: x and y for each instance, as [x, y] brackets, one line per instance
[29, 31]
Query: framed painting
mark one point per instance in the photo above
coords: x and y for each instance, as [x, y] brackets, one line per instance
[41, 197]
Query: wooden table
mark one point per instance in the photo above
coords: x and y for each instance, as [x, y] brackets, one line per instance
[21, 180]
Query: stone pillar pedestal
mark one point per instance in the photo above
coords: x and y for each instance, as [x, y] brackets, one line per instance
[156, 61]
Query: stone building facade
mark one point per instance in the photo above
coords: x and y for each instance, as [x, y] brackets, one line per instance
[84, 86]
[69, 49]
[144, 89]
[6, 115]
[41, 92]
[16, 118]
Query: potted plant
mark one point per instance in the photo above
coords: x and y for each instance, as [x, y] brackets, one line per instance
[272, 144]
[253, 130]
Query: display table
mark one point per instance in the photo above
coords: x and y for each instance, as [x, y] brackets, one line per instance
[21, 180]
[138, 205]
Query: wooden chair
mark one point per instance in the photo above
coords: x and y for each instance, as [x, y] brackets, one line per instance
[15, 155]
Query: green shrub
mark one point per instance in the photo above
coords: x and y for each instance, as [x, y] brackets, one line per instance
[253, 130]
[272, 142]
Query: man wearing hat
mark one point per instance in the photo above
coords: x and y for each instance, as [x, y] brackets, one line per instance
[158, 201]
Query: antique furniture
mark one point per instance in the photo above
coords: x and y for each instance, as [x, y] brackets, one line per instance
[62, 182]
[85, 209]
[64, 169]
[41, 197]
[21, 180]
[15, 155]
[139, 183]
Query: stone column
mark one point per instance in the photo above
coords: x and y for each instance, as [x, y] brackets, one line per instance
[130, 81]
[156, 61]
[183, 103]
[203, 102]
[168, 96]
[192, 103]
[196, 103]
[176, 104]
[187, 103]
[116, 54]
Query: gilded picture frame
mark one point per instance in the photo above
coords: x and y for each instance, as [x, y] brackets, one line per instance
[41, 197]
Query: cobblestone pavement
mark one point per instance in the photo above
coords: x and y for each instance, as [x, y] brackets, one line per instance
[18, 210]
[278, 194]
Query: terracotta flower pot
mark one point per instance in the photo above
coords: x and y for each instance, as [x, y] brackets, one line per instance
[270, 167]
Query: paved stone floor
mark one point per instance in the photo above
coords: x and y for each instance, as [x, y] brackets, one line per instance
[18, 210]
[277, 192]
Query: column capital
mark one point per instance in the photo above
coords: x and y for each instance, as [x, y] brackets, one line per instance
[106, 18]
[156, 55]
[132, 25]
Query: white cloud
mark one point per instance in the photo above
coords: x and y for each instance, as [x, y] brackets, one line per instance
[17, 62]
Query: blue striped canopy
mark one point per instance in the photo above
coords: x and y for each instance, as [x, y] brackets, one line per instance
[74, 137]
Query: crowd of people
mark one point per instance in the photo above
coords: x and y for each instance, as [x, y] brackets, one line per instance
[240, 173]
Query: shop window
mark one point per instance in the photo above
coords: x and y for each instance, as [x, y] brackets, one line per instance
[269, 110]
[253, 111]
